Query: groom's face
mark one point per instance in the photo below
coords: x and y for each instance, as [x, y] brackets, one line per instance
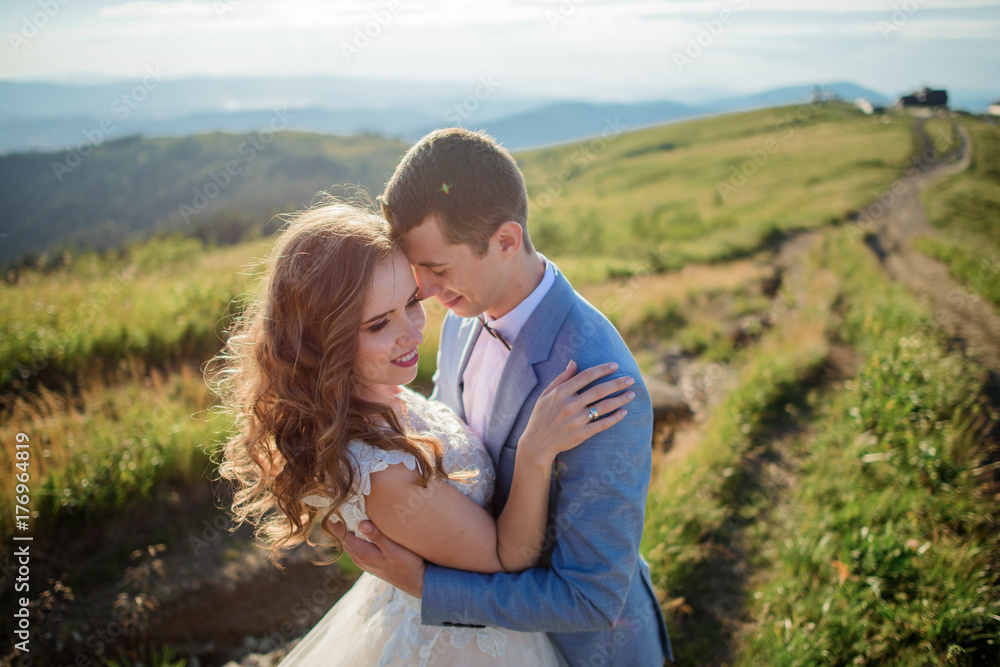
[463, 282]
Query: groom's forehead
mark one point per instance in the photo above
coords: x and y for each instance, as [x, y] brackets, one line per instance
[424, 245]
[422, 253]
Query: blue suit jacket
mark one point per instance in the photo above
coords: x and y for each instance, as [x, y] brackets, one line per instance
[595, 597]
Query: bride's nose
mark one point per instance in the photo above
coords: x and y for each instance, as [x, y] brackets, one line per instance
[411, 336]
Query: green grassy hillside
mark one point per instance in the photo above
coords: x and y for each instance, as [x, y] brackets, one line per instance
[712, 189]
[966, 208]
[217, 185]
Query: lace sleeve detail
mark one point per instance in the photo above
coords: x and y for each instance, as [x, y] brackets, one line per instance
[365, 460]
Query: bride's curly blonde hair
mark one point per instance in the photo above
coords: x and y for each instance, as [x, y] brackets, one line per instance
[286, 377]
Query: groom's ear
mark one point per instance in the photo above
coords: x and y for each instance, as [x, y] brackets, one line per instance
[509, 236]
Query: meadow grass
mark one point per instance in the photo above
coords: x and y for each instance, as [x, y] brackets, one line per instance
[975, 267]
[885, 551]
[675, 194]
[168, 300]
[108, 448]
[696, 307]
[965, 208]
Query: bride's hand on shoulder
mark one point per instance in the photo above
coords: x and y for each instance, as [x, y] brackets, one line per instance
[563, 418]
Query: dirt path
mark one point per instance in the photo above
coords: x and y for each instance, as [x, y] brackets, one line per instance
[246, 607]
[897, 218]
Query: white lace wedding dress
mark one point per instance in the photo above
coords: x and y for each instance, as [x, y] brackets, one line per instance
[378, 624]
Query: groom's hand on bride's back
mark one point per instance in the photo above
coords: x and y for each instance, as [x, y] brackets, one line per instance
[382, 557]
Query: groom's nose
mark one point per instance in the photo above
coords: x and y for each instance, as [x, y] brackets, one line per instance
[426, 286]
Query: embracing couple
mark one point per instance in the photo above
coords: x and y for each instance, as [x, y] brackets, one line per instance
[499, 521]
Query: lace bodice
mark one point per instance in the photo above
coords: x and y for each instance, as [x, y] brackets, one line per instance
[461, 451]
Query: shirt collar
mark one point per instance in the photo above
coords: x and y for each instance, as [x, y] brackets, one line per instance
[510, 325]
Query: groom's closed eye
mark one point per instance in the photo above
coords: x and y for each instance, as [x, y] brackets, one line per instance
[434, 267]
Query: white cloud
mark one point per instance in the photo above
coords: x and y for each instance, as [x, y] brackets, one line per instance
[157, 10]
[950, 28]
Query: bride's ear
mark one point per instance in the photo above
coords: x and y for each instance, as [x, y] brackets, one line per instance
[509, 236]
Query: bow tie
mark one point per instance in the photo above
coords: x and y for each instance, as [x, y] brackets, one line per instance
[493, 332]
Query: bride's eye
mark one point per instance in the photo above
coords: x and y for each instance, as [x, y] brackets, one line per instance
[378, 326]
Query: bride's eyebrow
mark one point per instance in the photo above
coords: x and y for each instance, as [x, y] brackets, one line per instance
[381, 315]
[377, 317]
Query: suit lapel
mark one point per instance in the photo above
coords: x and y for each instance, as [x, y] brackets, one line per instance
[468, 335]
[519, 378]
[516, 383]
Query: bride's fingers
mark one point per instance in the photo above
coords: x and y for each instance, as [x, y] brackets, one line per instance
[336, 528]
[609, 405]
[561, 378]
[364, 554]
[579, 381]
[370, 530]
[604, 389]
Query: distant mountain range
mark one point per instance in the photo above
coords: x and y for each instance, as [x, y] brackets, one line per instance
[45, 116]
[49, 116]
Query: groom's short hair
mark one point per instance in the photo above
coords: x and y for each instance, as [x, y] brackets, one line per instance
[464, 178]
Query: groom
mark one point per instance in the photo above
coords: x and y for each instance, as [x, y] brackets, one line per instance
[458, 203]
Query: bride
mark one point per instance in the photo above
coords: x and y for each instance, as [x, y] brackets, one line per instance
[327, 432]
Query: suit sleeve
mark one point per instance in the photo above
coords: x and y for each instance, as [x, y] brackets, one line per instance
[598, 525]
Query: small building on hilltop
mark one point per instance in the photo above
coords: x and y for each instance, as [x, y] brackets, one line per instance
[994, 109]
[925, 100]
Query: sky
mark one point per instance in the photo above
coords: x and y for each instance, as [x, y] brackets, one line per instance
[622, 50]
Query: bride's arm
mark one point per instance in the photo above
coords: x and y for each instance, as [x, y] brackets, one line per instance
[448, 528]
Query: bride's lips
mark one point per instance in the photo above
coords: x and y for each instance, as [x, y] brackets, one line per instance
[408, 359]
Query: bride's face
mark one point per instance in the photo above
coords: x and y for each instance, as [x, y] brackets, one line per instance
[391, 328]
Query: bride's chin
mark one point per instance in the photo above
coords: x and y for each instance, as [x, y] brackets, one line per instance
[380, 393]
